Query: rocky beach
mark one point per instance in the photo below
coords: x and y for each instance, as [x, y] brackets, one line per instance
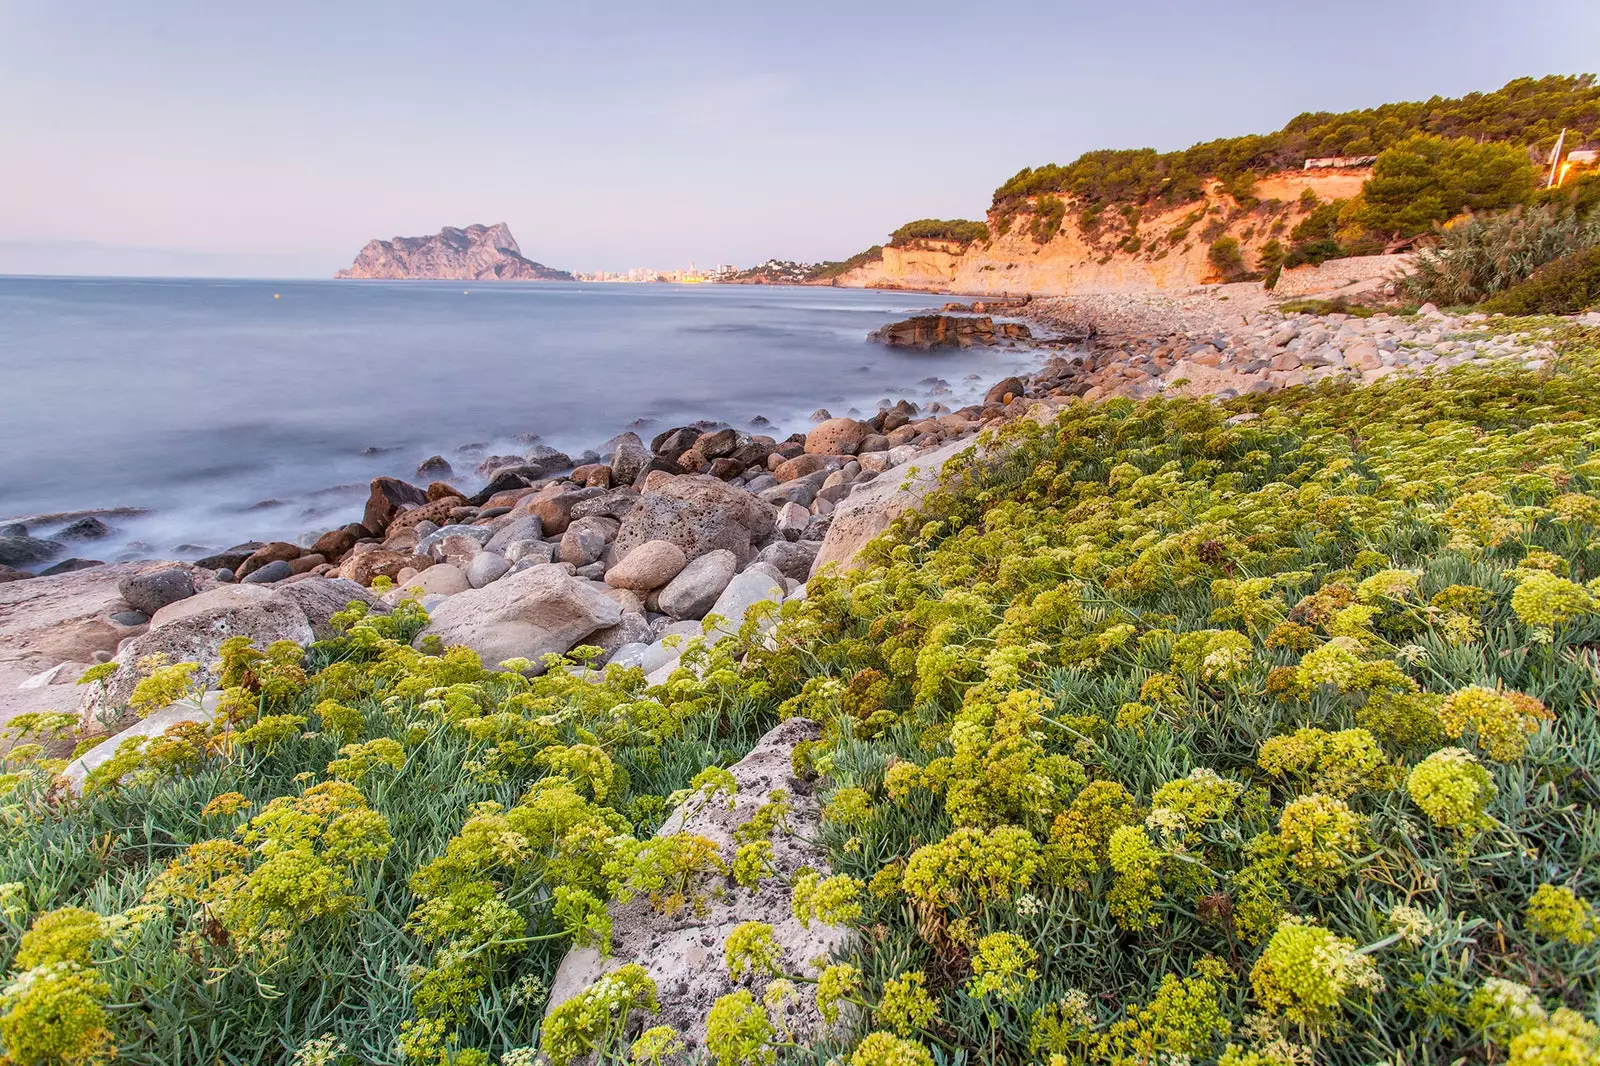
[630, 546]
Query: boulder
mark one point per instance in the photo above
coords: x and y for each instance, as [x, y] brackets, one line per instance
[684, 952]
[230, 558]
[581, 545]
[433, 544]
[628, 459]
[23, 550]
[791, 558]
[799, 466]
[434, 468]
[692, 593]
[649, 566]
[439, 580]
[276, 570]
[947, 331]
[633, 629]
[320, 598]
[545, 460]
[522, 527]
[389, 496]
[436, 511]
[836, 436]
[271, 552]
[755, 585]
[539, 551]
[86, 528]
[872, 507]
[792, 519]
[719, 444]
[485, 568]
[191, 630]
[699, 514]
[152, 590]
[335, 542]
[364, 566]
[1001, 390]
[152, 725]
[555, 510]
[528, 614]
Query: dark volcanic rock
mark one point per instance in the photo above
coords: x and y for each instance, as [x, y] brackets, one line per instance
[150, 591]
[67, 566]
[28, 551]
[229, 559]
[86, 528]
[389, 497]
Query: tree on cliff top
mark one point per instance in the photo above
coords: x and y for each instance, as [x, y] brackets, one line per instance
[1426, 180]
[959, 230]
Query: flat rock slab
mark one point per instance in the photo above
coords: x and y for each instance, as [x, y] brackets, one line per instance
[684, 953]
[46, 621]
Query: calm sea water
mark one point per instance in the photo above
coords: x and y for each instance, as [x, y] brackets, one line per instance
[233, 410]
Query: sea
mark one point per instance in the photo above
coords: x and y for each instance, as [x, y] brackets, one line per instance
[204, 412]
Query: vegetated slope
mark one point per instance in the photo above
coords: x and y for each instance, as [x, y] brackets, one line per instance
[1137, 218]
[1173, 729]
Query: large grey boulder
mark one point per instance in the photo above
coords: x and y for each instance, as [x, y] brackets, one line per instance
[684, 953]
[791, 558]
[692, 592]
[522, 527]
[629, 459]
[649, 566]
[756, 585]
[154, 589]
[871, 508]
[192, 629]
[320, 598]
[526, 614]
[485, 567]
[699, 514]
[152, 725]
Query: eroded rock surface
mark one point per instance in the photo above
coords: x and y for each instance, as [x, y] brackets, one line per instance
[684, 952]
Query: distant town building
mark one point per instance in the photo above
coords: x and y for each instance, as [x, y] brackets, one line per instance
[1329, 162]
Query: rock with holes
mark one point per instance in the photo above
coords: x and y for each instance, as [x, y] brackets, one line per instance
[684, 952]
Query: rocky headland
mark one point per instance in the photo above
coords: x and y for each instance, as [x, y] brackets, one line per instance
[477, 253]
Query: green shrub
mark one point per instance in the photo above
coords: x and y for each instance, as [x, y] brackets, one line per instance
[1227, 258]
[1480, 258]
[1048, 214]
[1566, 286]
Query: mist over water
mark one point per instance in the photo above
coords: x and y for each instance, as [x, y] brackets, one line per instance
[235, 410]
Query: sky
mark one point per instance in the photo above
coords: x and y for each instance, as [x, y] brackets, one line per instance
[274, 140]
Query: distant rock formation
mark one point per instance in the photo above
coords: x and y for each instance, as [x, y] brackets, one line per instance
[477, 253]
[948, 331]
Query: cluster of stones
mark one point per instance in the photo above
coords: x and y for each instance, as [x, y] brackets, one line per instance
[619, 550]
[1270, 350]
[20, 548]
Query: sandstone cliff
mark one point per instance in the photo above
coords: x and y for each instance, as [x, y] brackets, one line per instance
[1156, 249]
[477, 253]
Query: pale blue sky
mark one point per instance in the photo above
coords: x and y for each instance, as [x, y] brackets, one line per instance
[275, 139]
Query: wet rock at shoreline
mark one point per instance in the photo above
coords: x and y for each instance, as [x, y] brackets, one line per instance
[22, 550]
[85, 528]
[150, 591]
[435, 468]
[388, 497]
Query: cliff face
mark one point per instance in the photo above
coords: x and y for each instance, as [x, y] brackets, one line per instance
[1156, 250]
[477, 253]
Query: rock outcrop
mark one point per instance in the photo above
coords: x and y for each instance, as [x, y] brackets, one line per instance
[948, 331]
[477, 253]
[685, 952]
